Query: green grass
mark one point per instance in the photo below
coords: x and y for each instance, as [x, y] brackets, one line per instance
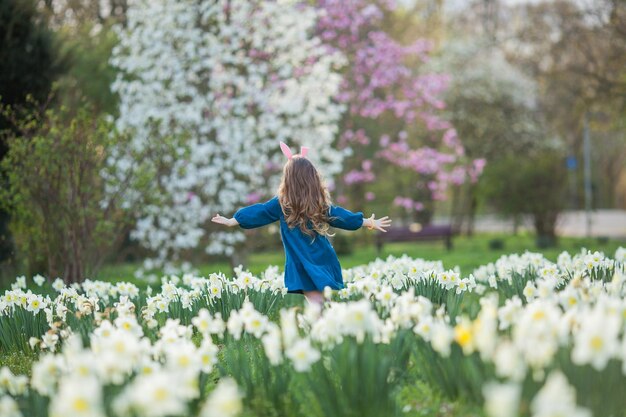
[468, 253]
[420, 400]
[19, 363]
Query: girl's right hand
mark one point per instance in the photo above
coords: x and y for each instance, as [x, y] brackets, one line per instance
[224, 220]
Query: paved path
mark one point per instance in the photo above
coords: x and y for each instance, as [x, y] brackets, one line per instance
[604, 223]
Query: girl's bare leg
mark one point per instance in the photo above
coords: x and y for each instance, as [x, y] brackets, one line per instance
[314, 297]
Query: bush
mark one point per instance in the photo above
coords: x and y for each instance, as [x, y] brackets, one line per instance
[63, 220]
[496, 244]
[343, 244]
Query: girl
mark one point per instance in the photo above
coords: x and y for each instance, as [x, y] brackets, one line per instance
[305, 212]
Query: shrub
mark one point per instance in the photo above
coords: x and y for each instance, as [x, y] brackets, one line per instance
[534, 185]
[496, 244]
[63, 220]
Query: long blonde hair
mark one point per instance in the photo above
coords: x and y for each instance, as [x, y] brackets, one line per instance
[304, 197]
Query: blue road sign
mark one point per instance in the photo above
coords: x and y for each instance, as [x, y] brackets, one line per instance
[571, 163]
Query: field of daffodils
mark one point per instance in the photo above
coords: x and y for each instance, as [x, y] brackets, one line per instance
[523, 336]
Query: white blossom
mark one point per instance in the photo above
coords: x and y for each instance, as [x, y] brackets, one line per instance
[229, 79]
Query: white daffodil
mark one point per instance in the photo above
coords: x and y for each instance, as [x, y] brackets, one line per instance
[442, 337]
[272, 344]
[49, 341]
[45, 373]
[557, 398]
[508, 362]
[596, 342]
[208, 355]
[35, 303]
[223, 401]
[39, 280]
[183, 356]
[158, 394]
[502, 400]
[8, 407]
[78, 397]
[129, 324]
[302, 355]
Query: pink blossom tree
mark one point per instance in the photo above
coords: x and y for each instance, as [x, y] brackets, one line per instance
[394, 111]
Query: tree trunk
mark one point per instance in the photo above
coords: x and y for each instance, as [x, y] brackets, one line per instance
[471, 213]
[545, 228]
[73, 271]
[516, 223]
[456, 213]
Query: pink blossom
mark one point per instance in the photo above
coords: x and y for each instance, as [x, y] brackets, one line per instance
[270, 166]
[405, 202]
[253, 197]
[357, 177]
[380, 82]
[457, 176]
[478, 165]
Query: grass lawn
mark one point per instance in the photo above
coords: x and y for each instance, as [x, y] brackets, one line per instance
[468, 253]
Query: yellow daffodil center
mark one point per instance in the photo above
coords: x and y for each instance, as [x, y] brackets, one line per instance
[539, 315]
[160, 394]
[80, 405]
[462, 335]
[596, 343]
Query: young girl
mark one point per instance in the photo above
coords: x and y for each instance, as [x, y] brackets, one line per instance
[305, 212]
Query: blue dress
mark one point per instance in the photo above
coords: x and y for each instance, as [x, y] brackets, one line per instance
[310, 264]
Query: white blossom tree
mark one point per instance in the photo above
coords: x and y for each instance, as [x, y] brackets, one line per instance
[228, 79]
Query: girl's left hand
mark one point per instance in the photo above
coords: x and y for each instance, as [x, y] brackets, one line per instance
[379, 224]
[224, 220]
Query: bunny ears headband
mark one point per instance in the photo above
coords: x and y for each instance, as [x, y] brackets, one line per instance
[303, 151]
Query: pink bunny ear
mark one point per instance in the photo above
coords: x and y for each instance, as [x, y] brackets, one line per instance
[286, 150]
[303, 151]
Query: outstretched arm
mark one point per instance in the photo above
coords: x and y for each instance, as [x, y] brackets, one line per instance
[345, 219]
[256, 215]
[379, 224]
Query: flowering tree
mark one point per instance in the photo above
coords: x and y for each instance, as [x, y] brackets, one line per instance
[228, 79]
[382, 85]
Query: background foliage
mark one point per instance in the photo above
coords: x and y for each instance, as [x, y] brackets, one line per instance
[427, 95]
